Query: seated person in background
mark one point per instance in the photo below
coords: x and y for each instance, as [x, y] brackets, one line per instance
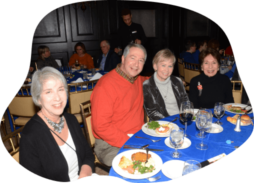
[108, 60]
[53, 145]
[81, 57]
[202, 46]
[229, 51]
[188, 54]
[45, 59]
[117, 104]
[163, 92]
[215, 86]
[214, 44]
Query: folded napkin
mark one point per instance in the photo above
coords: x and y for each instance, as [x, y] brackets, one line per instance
[79, 80]
[96, 76]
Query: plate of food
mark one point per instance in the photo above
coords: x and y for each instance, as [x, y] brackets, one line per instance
[245, 120]
[131, 164]
[237, 108]
[159, 128]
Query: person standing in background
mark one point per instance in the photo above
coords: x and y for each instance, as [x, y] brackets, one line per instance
[202, 46]
[130, 32]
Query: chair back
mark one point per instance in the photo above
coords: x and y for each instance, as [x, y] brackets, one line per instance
[180, 68]
[23, 107]
[237, 94]
[76, 97]
[190, 71]
[25, 91]
[14, 139]
[85, 109]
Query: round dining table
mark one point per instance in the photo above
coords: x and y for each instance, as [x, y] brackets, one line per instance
[225, 142]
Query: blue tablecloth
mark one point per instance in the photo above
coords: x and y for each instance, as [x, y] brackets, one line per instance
[216, 144]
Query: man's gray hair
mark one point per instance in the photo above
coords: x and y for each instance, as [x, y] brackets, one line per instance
[38, 79]
[129, 46]
[106, 41]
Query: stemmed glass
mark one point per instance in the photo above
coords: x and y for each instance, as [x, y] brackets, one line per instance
[219, 111]
[190, 166]
[199, 135]
[203, 123]
[186, 114]
[176, 138]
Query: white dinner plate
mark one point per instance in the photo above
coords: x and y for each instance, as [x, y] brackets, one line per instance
[173, 169]
[186, 143]
[127, 154]
[240, 105]
[215, 129]
[153, 133]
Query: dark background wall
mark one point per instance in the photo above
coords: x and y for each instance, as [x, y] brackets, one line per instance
[62, 28]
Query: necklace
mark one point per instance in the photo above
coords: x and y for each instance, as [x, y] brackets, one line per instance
[57, 126]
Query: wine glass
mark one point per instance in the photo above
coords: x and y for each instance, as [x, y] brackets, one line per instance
[203, 123]
[176, 138]
[210, 118]
[190, 166]
[219, 111]
[186, 114]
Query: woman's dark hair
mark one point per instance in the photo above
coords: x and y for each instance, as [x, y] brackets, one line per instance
[41, 50]
[213, 43]
[188, 44]
[209, 51]
[81, 45]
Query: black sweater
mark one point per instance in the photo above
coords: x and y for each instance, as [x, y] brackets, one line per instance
[126, 34]
[40, 153]
[215, 89]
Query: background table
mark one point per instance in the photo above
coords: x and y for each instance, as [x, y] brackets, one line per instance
[216, 143]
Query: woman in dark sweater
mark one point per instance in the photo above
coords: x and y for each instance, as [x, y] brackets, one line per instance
[45, 59]
[210, 86]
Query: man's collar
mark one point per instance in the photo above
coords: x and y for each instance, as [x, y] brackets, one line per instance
[105, 55]
[125, 76]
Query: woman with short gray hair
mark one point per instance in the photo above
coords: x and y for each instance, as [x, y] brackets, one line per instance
[52, 144]
[163, 92]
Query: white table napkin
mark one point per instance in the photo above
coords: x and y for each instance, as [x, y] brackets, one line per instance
[79, 80]
[96, 76]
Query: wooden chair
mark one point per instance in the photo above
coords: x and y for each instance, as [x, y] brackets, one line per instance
[76, 97]
[85, 109]
[3, 126]
[22, 106]
[237, 94]
[180, 68]
[190, 71]
[15, 146]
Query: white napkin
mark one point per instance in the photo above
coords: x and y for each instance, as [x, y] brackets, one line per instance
[96, 76]
[79, 80]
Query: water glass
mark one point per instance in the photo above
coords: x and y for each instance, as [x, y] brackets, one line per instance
[219, 111]
[176, 138]
[210, 119]
[93, 71]
[85, 75]
[190, 166]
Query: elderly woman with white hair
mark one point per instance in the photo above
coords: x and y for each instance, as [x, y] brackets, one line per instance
[52, 144]
[163, 92]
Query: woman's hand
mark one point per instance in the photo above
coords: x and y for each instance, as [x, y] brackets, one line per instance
[85, 171]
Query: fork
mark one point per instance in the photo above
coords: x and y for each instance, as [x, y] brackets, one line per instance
[151, 179]
[147, 138]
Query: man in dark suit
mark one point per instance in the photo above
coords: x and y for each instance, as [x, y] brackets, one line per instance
[108, 60]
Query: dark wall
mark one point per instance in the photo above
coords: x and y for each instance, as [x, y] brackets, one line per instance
[62, 28]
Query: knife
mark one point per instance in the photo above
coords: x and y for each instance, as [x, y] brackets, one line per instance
[142, 148]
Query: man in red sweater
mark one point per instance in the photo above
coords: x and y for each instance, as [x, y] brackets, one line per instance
[117, 104]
